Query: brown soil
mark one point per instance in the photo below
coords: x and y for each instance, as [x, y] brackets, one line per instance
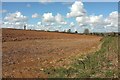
[27, 53]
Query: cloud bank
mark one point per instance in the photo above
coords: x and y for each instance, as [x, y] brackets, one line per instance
[76, 10]
[15, 20]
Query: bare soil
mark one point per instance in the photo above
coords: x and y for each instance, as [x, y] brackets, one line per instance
[27, 53]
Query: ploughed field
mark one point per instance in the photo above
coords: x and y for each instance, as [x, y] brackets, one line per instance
[26, 53]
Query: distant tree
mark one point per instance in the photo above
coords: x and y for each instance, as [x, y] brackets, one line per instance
[114, 34]
[86, 31]
[24, 27]
[102, 34]
[91, 33]
[76, 32]
[69, 31]
[47, 30]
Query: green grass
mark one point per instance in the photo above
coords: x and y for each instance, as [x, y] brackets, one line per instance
[101, 64]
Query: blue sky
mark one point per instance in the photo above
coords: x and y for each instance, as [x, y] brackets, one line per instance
[29, 8]
[96, 8]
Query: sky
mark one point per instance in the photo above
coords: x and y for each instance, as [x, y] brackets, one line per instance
[61, 16]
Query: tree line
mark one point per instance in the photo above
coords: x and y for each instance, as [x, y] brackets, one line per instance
[86, 32]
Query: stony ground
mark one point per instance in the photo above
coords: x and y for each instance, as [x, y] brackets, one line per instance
[27, 53]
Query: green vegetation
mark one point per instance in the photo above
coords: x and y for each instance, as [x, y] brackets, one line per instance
[101, 64]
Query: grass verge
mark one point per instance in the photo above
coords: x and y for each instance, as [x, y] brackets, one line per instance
[101, 64]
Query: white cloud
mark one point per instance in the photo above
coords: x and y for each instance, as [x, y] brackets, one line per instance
[35, 15]
[76, 10]
[39, 23]
[90, 20]
[99, 22]
[3, 11]
[112, 19]
[112, 22]
[96, 20]
[15, 20]
[63, 23]
[45, 1]
[44, 25]
[82, 20]
[31, 26]
[72, 24]
[52, 23]
[15, 17]
[48, 17]
[60, 19]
